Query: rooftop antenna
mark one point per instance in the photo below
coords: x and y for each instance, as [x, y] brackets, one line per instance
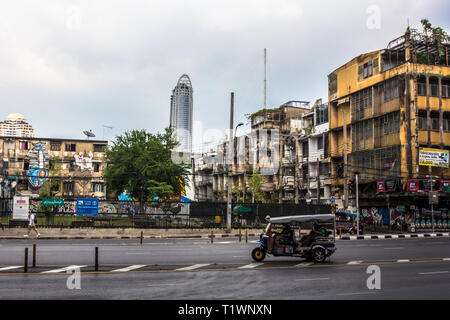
[89, 134]
[265, 80]
[107, 127]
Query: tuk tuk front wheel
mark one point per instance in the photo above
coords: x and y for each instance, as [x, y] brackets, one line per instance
[318, 255]
[258, 254]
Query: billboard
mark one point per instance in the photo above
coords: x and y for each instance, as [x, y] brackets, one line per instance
[87, 206]
[433, 157]
[20, 208]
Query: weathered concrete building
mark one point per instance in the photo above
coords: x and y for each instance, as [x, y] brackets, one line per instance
[28, 164]
[386, 107]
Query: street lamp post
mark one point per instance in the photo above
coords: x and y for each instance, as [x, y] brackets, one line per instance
[229, 162]
[357, 204]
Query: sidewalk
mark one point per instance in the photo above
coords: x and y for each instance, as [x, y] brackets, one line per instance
[89, 233]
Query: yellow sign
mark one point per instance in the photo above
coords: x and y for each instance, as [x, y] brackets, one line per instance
[433, 157]
[218, 219]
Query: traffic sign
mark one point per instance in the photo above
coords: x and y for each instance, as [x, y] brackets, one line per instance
[332, 200]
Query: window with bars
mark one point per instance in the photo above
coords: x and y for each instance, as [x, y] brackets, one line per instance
[54, 146]
[71, 147]
[68, 186]
[97, 187]
[360, 102]
[389, 123]
[391, 89]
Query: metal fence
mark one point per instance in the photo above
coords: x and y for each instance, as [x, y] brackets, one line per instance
[128, 214]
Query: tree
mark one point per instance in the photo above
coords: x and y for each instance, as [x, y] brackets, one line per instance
[255, 184]
[140, 163]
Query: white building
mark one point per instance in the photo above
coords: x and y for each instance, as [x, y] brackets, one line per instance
[16, 126]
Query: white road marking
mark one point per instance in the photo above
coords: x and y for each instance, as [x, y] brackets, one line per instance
[354, 293]
[446, 259]
[63, 269]
[436, 272]
[355, 262]
[195, 266]
[316, 279]
[9, 268]
[393, 248]
[132, 267]
[224, 242]
[403, 260]
[251, 265]
[303, 264]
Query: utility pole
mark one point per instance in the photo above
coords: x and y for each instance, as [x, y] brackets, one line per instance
[345, 162]
[357, 204]
[230, 158]
[265, 79]
[318, 181]
[296, 169]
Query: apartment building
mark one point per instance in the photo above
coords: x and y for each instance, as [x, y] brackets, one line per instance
[387, 108]
[287, 146]
[77, 166]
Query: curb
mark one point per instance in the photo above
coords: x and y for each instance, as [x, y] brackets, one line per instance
[395, 236]
[362, 237]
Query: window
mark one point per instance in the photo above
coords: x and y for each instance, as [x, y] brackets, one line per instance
[23, 145]
[434, 90]
[305, 149]
[26, 164]
[390, 89]
[99, 147]
[54, 146]
[71, 147]
[434, 121]
[368, 69]
[320, 143]
[324, 169]
[96, 167]
[68, 187]
[97, 187]
[321, 115]
[361, 101]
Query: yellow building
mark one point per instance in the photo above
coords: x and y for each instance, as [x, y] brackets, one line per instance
[392, 102]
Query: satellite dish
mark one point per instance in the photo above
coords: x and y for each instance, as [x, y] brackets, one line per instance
[89, 134]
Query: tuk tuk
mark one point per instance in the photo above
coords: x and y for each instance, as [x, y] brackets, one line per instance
[316, 247]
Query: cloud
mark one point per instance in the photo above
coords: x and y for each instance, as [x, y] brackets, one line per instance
[72, 65]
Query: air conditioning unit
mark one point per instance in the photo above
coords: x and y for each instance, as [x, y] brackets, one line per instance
[321, 156]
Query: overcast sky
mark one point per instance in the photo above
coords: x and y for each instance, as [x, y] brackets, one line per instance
[70, 66]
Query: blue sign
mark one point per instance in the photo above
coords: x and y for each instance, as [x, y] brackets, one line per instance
[87, 206]
[332, 200]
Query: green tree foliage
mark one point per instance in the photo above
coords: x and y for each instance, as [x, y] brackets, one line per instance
[434, 37]
[255, 184]
[140, 163]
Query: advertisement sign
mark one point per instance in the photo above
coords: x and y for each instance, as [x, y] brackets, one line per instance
[87, 206]
[421, 185]
[52, 202]
[445, 185]
[387, 186]
[433, 157]
[20, 208]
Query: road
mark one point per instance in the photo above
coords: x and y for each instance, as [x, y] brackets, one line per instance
[197, 269]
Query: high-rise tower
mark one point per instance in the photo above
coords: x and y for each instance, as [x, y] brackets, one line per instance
[181, 103]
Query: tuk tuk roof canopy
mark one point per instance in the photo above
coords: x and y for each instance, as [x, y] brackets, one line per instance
[305, 218]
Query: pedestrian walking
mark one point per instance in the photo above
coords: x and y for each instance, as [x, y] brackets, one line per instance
[32, 225]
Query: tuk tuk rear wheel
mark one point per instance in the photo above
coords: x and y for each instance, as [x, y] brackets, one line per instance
[318, 255]
[258, 254]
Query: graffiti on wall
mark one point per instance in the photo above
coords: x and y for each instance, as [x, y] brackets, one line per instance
[84, 162]
[39, 161]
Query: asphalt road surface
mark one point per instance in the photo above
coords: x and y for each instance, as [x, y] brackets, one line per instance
[196, 269]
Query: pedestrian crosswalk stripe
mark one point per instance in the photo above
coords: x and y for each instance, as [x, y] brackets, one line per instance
[195, 266]
[9, 268]
[63, 269]
[251, 265]
[403, 260]
[132, 267]
[446, 259]
[355, 262]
